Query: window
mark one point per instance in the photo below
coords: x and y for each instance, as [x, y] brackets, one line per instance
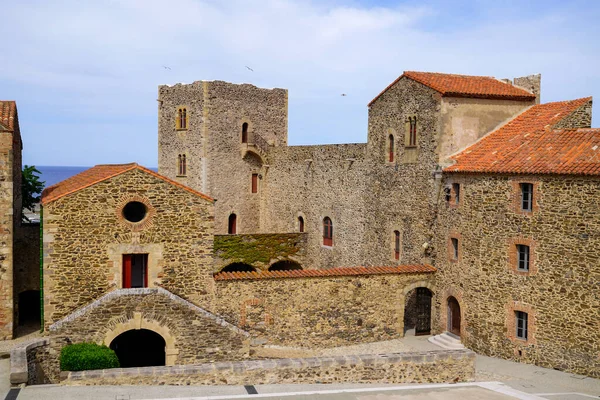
[391, 148]
[135, 271]
[522, 257]
[134, 211]
[254, 183]
[232, 224]
[521, 323]
[454, 248]
[396, 245]
[327, 232]
[412, 141]
[526, 196]
[181, 165]
[300, 224]
[245, 132]
[456, 190]
[182, 121]
[447, 194]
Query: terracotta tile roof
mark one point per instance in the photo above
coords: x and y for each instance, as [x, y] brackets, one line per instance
[529, 145]
[324, 273]
[8, 110]
[101, 173]
[452, 85]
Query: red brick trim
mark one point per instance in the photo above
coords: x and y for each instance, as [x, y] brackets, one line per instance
[513, 261]
[135, 226]
[267, 316]
[511, 328]
[454, 235]
[516, 194]
[325, 273]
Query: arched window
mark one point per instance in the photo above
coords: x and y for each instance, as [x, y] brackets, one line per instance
[245, 132]
[413, 132]
[232, 224]
[181, 165]
[391, 148]
[300, 224]
[327, 232]
[181, 118]
[396, 245]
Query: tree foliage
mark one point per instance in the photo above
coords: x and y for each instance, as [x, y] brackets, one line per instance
[31, 188]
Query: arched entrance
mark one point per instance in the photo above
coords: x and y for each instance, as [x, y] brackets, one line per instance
[285, 265]
[417, 311]
[239, 267]
[139, 348]
[453, 316]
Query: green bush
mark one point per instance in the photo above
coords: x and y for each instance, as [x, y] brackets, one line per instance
[85, 356]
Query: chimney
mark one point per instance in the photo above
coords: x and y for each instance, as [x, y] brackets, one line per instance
[531, 83]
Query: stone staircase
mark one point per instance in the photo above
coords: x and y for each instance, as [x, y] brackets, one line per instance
[447, 341]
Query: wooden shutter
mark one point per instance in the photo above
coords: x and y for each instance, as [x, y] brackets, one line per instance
[126, 271]
[254, 183]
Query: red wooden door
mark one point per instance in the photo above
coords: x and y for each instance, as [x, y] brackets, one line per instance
[127, 271]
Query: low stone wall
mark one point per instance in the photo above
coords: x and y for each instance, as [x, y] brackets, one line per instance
[417, 367]
[259, 250]
[26, 362]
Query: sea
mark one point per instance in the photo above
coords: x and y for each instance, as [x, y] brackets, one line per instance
[54, 174]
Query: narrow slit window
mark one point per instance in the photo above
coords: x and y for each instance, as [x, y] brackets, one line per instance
[523, 257]
[182, 118]
[245, 132]
[232, 224]
[413, 132]
[456, 189]
[396, 245]
[254, 183]
[181, 165]
[327, 232]
[454, 248]
[391, 148]
[300, 224]
[521, 323]
[526, 196]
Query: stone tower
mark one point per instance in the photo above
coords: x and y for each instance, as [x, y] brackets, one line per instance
[215, 137]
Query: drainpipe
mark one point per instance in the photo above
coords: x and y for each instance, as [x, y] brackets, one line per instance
[41, 268]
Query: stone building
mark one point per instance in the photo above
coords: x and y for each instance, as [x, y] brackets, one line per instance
[471, 208]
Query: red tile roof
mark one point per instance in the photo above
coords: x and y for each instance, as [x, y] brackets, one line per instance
[101, 173]
[452, 85]
[528, 144]
[324, 273]
[8, 110]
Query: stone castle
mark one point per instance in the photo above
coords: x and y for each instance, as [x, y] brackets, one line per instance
[472, 208]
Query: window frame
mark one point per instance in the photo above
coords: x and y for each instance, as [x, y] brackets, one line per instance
[523, 257]
[181, 119]
[524, 193]
[244, 137]
[391, 148]
[300, 224]
[182, 165]
[232, 224]
[327, 232]
[521, 324]
[397, 245]
[254, 184]
[454, 248]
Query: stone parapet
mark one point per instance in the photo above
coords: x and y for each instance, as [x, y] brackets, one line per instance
[22, 365]
[415, 367]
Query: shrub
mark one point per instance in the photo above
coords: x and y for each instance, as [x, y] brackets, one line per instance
[85, 356]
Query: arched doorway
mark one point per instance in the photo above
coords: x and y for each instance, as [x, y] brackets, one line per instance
[285, 265]
[139, 348]
[453, 316]
[239, 267]
[417, 311]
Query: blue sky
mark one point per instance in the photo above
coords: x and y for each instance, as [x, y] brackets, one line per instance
[85, 74]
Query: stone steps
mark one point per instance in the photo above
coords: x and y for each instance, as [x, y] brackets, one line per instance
[447, 341]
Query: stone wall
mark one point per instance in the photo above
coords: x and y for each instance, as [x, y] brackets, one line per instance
[319, 311]
[418, 367]
[560, 293]
[85, 237]
[580, 118]
[181, 324]
[215, 153]
[29, 363]
[259, 250]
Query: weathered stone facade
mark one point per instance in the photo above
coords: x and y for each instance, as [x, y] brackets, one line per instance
[560, 292]
[319, 311]
[86, 236]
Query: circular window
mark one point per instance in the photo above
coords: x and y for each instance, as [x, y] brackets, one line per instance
[134, 211]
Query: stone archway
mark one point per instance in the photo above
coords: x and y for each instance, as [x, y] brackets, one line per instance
[413, 308]
[139, 348]
[138, 323]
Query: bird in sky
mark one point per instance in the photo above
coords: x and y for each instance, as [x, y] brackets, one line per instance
[249, 68]
[344, 94]
[165, 67]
